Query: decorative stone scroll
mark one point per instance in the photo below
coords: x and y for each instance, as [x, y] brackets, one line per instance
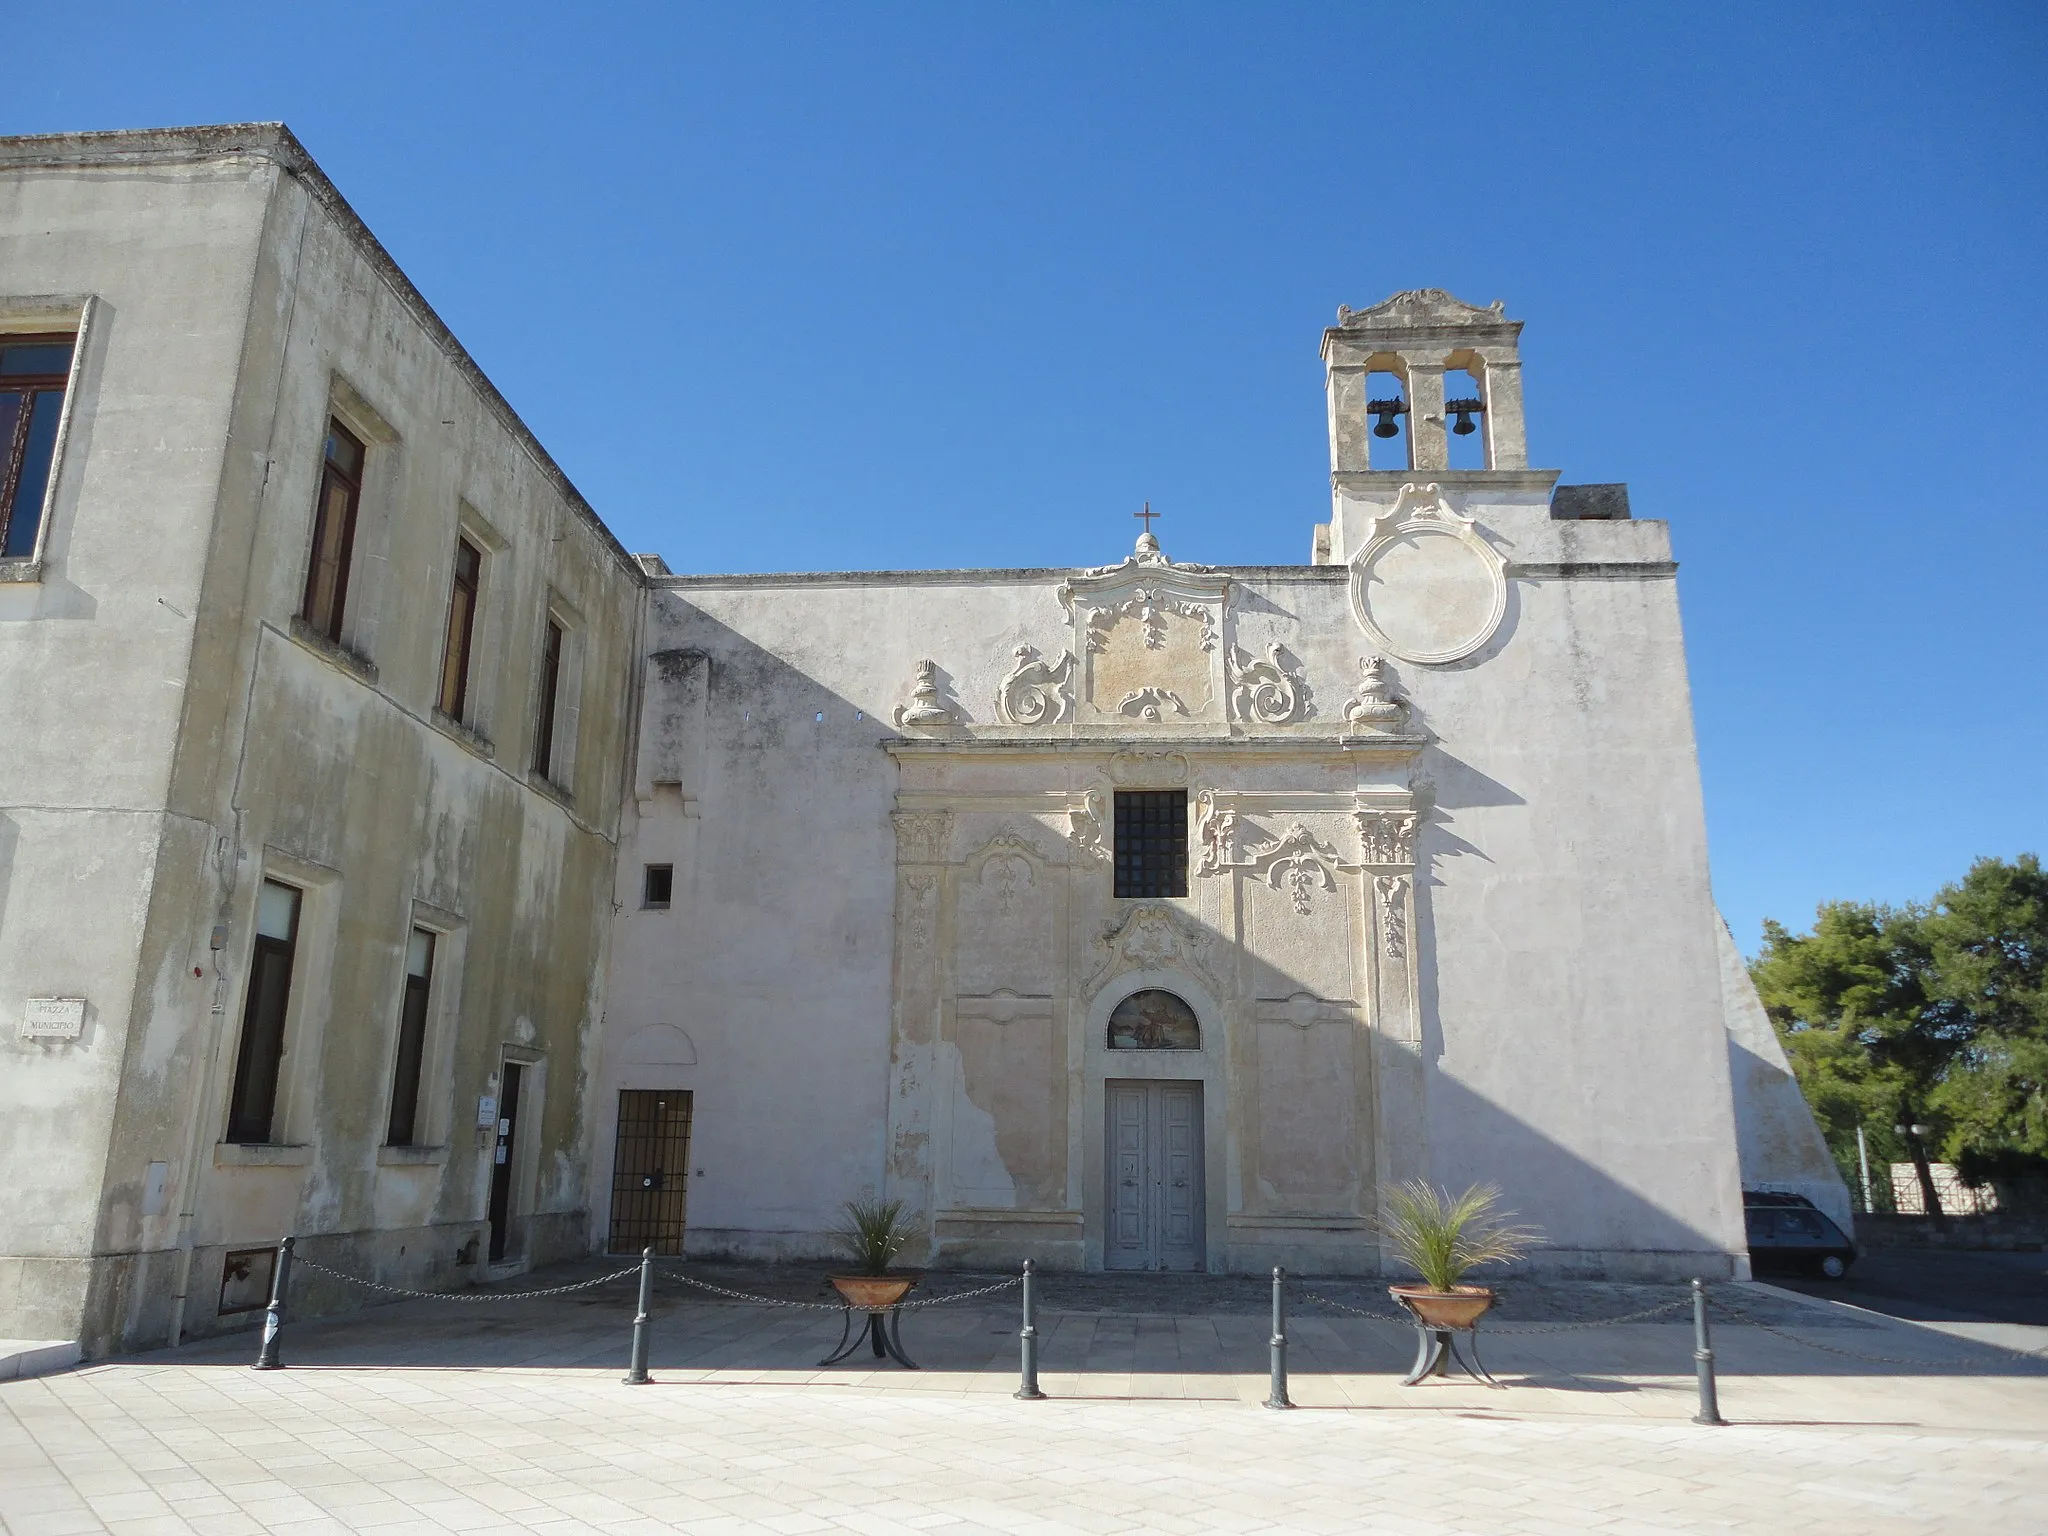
[1386, 837]
[1216, 831]
[1425, 585]
[1393, 894]
[1037, 692]
[1265, 692]
[1153, 938]
[1149, 608]
[1161, 770]
[1377, 706]
[1088, 826]
[1297, 863]
[1151, 704]
[926, 708]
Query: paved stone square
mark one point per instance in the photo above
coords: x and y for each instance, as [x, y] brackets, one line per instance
[511, 1415]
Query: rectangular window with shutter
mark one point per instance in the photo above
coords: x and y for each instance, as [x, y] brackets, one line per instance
[260, 1057]
[462, 599]
[34, 371]
[550, 688]
[1151, 842]
[403, 1129]
[334, 532]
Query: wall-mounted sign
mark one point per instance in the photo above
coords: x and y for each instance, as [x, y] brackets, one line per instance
[486, 1111]
[53, 1018]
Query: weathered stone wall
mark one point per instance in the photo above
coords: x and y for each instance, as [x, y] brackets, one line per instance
[246, 304]
[1552, 1021]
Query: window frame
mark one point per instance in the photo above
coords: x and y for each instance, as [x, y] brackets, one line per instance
[458, 709]
[415, 1029]
[1134, 865]
[330, 626]
[554, 646]
[264, 950]
[13, 453]
[647, 873]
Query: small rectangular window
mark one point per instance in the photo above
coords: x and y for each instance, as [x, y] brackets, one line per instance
[469, 569]
[334, 531]
[658, 889]
[253, 1104]
[412, 1040]
[1151, 842]
[550, 686]
[33, 373]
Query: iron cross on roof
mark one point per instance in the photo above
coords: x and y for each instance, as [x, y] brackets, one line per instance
[1148, 514]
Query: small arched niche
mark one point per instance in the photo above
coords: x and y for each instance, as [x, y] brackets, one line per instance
[1154, 1020]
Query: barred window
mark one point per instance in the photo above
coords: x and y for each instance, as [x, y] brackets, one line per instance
[1151, 842]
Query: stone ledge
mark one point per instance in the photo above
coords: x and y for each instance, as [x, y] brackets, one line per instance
[21, 569]
[249, 1154]
[411, 1157]
[359, 667]
[476, 741]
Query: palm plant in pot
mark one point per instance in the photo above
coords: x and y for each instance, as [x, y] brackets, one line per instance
[1443, 1237]
[870, 1238]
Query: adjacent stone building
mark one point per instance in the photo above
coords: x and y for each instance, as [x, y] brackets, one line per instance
[289, 880]
[388, 858]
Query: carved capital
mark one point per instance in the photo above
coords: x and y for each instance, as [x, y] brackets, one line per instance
[1386, 837]
[921, 836]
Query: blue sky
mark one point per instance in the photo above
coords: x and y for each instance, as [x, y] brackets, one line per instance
[797, 285]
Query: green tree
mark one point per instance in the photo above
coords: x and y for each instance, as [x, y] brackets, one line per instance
[1931, 1015]
[1849, 1002]
[1987, 984]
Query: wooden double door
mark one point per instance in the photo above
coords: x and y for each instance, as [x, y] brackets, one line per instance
[1156, 1200]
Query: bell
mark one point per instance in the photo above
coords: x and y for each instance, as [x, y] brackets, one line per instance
[1386, 411]
[1464, 426]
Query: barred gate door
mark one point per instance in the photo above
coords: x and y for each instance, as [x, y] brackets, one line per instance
[651, 1172]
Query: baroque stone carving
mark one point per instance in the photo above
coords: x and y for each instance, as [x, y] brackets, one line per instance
[1002, 1006]
[1393, 894]
[1264, 692]
[1037, 692]
[1150, 703]
[926, 707]
[1153, 938]
[1216, 831]
[920, 836]
[922, 894]
[1146, 553]
[1425, 585]
[1165, 770]
[1386, 837]
[1088, 826]
[1297, 863]
[1150, 609]
[1421, 306]
[1377, 706]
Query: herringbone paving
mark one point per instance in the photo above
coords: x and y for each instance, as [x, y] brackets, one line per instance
[422, 1417]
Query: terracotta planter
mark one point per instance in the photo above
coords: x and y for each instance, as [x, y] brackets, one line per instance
[874, 1291]
[1459, 1307]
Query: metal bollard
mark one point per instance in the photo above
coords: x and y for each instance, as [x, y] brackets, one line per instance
[273, 1315]
[1277, 1397]
[1027, 1341]
[1703, 1360]
[636, 1373]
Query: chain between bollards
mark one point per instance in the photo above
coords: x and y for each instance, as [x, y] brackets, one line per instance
[1027, 1342]
[1703, 1359]
[1277, 1397]
[273, 1315]
[636, 1372]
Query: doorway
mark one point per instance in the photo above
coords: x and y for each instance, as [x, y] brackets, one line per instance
[1156, 1201]
[650, 1172]
[503, 1163]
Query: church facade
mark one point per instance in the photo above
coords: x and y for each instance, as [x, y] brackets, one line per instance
[458, 892]
[1153, 915]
